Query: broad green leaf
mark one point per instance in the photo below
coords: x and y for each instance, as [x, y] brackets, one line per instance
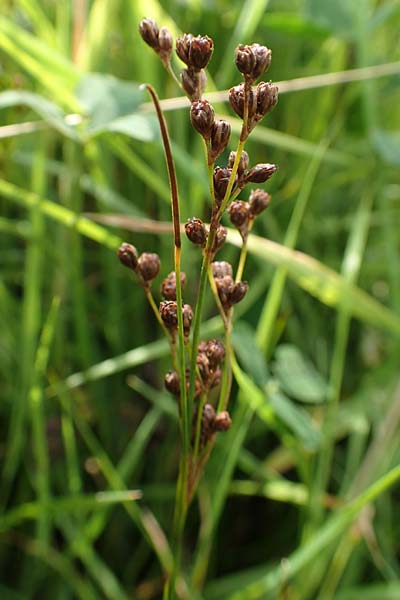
[244, 341]
[322, 282]
[111, 105]
[387, 144]
[270, 582]
[298, 376]
[50, 112]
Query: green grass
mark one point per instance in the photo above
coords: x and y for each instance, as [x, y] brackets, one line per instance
[299, 498]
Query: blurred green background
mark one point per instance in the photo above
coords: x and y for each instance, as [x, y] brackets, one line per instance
[315, 433]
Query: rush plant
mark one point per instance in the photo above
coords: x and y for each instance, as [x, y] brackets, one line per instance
[201, 370]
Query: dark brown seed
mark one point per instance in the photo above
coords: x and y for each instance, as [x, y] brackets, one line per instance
[225, 287]
[221, 268]
[258, 201]
[193, 82]
[202, 117]
[236, 99]
[252, 61]
[267, 98]
[128, 256]
[149, 265]
[148, 29]
[216, 378]
[196, 231]
[221, 181]
[171, 382]
[222, 421]
[165, 43]
[238, 293]
[220, 135]
[195, 52]
[260, 173]
[219, 240]
[243, 162]
[239, 213]
[203, 366]
[168, 312]
[187, 314]
[168, 286]
[207, 424]
[215, 351]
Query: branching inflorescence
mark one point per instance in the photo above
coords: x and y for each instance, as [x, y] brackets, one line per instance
[199, 366]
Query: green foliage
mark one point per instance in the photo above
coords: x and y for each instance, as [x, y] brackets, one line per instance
[300, 487]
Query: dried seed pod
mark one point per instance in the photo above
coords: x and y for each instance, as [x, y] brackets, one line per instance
[148, 266]
[128, 256]
[221, 180]
[193, 82]
[225, 287]
[207, 424]
[168, 286]
[202, 117]
[220, 135]
[236, 99]
[219, 240]
[215, 351]
[168, 313]
[243, 162]
[238, 293]
[171, 382]
[187, 314]
[222, 421]
[195, 52]
[203, 366]
[196, 231]
[216, 378]
[258, 201]
[252, 61]
[148, 29]
[239, 213]
[165, 43]
[260, 173]
[266, 97]
[221, 268]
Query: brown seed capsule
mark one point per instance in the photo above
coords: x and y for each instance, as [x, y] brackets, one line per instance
[238, 293]
[243, 162]
[260, 173]
[239, 213]
[168, 313]
[222, 421]
[252, 61]
[148, 29]
[202, 117]
[221, 180]
[215, 351]
[128, 256]
[195, 52]
[225, 287]
[267, 98]
[193, 82]
[203, 366]
[196, 231]
[171, 382]
[220, 135]
[221, 268]
[168, 286]
[187, 314]
[236, 99]
[216, 378]
[165, 43]
[207, 424]
[258, 201]
[148, 265]
[219, 240]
